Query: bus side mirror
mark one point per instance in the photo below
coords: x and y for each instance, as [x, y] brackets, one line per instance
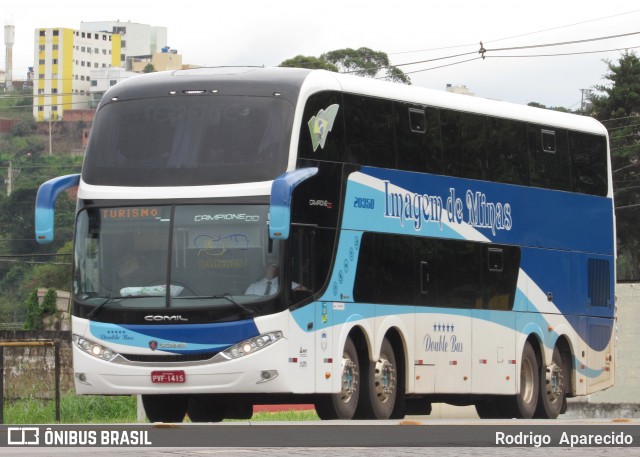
[45, 204]
[280, 203]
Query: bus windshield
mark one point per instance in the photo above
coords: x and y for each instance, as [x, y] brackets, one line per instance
[189, 141]
[207, 255]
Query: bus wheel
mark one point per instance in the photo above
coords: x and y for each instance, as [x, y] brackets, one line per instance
[206, 408]
[343, 404]
[523, 405]
[489, 409]
[552, 388]
[383, 385]
[165, 408]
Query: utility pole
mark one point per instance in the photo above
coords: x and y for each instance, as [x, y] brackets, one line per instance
[9, 178]
[583, 102]
[51, 133]
[12, 173]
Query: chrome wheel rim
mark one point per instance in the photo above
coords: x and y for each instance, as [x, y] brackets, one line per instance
[385, 380]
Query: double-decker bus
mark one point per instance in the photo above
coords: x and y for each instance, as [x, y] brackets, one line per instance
[267, 235]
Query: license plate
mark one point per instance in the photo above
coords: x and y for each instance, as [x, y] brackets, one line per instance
[168, 376]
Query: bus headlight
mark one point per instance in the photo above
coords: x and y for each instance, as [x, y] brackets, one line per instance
[251, 345]
[93, 348]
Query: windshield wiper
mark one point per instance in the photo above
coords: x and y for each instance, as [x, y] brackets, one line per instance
[110, 300]
[250, 312]
[95, 310]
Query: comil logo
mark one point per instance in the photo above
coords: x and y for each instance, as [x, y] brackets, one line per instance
[23, 436]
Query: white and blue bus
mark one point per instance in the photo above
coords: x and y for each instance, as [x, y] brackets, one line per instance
[268, 235]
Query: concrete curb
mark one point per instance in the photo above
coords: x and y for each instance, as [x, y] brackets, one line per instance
[587, 410]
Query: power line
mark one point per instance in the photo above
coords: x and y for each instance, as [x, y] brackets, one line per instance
[564, 53]
[14, 256]
[625, 147]
[484, 51]
[564, 43]
[621, 118]
[34, 262]
[519, 36]
[622, 127]
[442, 66]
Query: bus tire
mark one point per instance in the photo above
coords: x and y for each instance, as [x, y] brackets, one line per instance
[552, 388]
[343, 404]
[206, 408]
[382, 381]
[165, 408]
[489, 409]
[523, 404]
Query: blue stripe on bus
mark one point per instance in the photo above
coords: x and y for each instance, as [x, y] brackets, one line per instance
[539, 216]
[198, 338]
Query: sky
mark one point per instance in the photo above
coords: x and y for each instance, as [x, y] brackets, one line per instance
[251, 32]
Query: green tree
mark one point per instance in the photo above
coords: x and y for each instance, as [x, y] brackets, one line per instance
[362, 62]
[553, 108]
[36, 311]
[148, 68]
[365, 62]
[617, 105]
[310, 62]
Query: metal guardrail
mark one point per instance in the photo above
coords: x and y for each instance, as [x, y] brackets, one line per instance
[29, 343]
[11, 326]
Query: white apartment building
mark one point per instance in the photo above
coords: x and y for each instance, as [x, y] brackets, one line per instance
[137, 39]
[103, 79]
[64, 59]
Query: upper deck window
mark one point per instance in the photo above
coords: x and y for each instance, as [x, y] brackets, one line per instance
[189, 141]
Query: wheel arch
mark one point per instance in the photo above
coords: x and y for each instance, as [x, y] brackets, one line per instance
[400, 349]
[362, 342]
[568, 360]
[537, 345]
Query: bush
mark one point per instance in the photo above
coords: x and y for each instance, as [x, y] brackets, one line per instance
[36, 311]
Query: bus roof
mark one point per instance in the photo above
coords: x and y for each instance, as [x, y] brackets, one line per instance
[296, 84]
[458, 102]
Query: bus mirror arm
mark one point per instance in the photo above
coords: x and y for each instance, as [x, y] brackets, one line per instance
[280, 202]
[45, 204]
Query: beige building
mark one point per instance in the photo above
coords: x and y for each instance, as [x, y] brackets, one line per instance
[461, 89]
[161, 61]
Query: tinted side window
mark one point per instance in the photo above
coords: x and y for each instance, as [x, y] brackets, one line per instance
[333, 148]
[549, 157]
[370, 131]
[385, 270]
[310, 251]
[394, 274]
[463, 139]
[507, 155]
[458, 274]
[588, 163]
[363, 288]
[418, 137]
[499, 276]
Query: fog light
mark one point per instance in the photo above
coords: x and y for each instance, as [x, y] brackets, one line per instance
[268, 375]
[82, 378]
